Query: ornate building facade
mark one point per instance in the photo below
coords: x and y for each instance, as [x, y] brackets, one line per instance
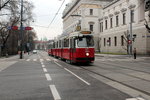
[118, 25]
[122, 27]
[83, 13]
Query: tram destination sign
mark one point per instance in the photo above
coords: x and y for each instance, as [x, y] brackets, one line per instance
[86, 32]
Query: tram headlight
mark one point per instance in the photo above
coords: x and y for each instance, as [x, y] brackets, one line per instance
[87, 54]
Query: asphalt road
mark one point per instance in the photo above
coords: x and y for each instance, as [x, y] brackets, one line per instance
[41, 77]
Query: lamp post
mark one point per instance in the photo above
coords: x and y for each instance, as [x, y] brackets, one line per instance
[131, 11]
[131, 7]
[21, 32]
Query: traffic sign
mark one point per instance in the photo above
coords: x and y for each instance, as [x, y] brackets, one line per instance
[14, 27]
[28, 28]
[18, 28]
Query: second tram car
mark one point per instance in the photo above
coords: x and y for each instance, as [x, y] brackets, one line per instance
[75, 47]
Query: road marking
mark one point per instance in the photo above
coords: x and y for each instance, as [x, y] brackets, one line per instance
[58, 64]
[54, 92]
[48, 77]
[44, 69]
[34, 59]
[55, 60]
[43, 66]
[41, 60]
[42, 63]
[28, 60]
[77, 76]
[137, 98]
[48, 59]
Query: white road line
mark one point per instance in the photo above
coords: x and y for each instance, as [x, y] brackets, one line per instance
[44, 69]
[48, 59]
[55, 60]
[43, 66]
[77, 76]
[28, 60]
[41, 60]
[54, 92]
[42, 63]
[58, 64]
[34, 59]
[48, 77]
[137, 98]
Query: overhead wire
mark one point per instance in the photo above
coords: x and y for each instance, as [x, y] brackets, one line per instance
[56, 13]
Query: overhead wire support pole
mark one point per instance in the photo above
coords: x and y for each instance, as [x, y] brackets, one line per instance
[21, 32]
[131, 37]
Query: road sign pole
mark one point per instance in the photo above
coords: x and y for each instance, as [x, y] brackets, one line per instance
[21, 31]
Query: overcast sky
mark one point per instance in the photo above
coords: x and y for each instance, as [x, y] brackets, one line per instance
[44, 12]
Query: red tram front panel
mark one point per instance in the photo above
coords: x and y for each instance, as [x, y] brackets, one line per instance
[82, 55]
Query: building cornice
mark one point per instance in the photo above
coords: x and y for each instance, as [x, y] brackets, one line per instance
[110, 15]
[123, 9]
[111, 3]
[132, 6]
[116, 12]
[65, 14]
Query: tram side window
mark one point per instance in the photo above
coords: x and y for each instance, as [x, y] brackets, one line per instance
[72, 43]
[59, 43]
[66, 42]
[54, 45]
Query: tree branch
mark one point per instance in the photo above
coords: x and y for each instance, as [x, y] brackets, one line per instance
[4, 5]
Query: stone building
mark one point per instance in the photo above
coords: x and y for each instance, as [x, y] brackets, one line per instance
[40, 45]
[84, 13]
[122, 21]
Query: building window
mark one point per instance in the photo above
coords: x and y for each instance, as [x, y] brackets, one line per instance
[105, 24]
[115, 41]
[109, 40]
[122, 40]
[91, 27]
[117, 20]
[91, 11]
[101, 27]
[132, 16]
[124, 18]
[104, 42]
[111, 22]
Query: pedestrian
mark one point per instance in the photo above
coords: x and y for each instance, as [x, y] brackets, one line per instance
[134, 53]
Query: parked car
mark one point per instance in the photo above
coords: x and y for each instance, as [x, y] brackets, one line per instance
[34, 52]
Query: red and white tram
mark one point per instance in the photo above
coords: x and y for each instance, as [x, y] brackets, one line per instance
[75, 47]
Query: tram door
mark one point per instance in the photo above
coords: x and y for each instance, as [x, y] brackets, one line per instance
[72, 48]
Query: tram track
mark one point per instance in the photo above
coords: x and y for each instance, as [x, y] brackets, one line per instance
[125, 68]
[99, 74]
[85, 68]
[122, 73]
[114, 80]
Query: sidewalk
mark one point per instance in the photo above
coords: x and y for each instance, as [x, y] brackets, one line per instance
[13, 57]
[122, 56]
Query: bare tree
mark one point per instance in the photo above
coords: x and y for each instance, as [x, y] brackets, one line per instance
[4, 4]
[13, 19]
